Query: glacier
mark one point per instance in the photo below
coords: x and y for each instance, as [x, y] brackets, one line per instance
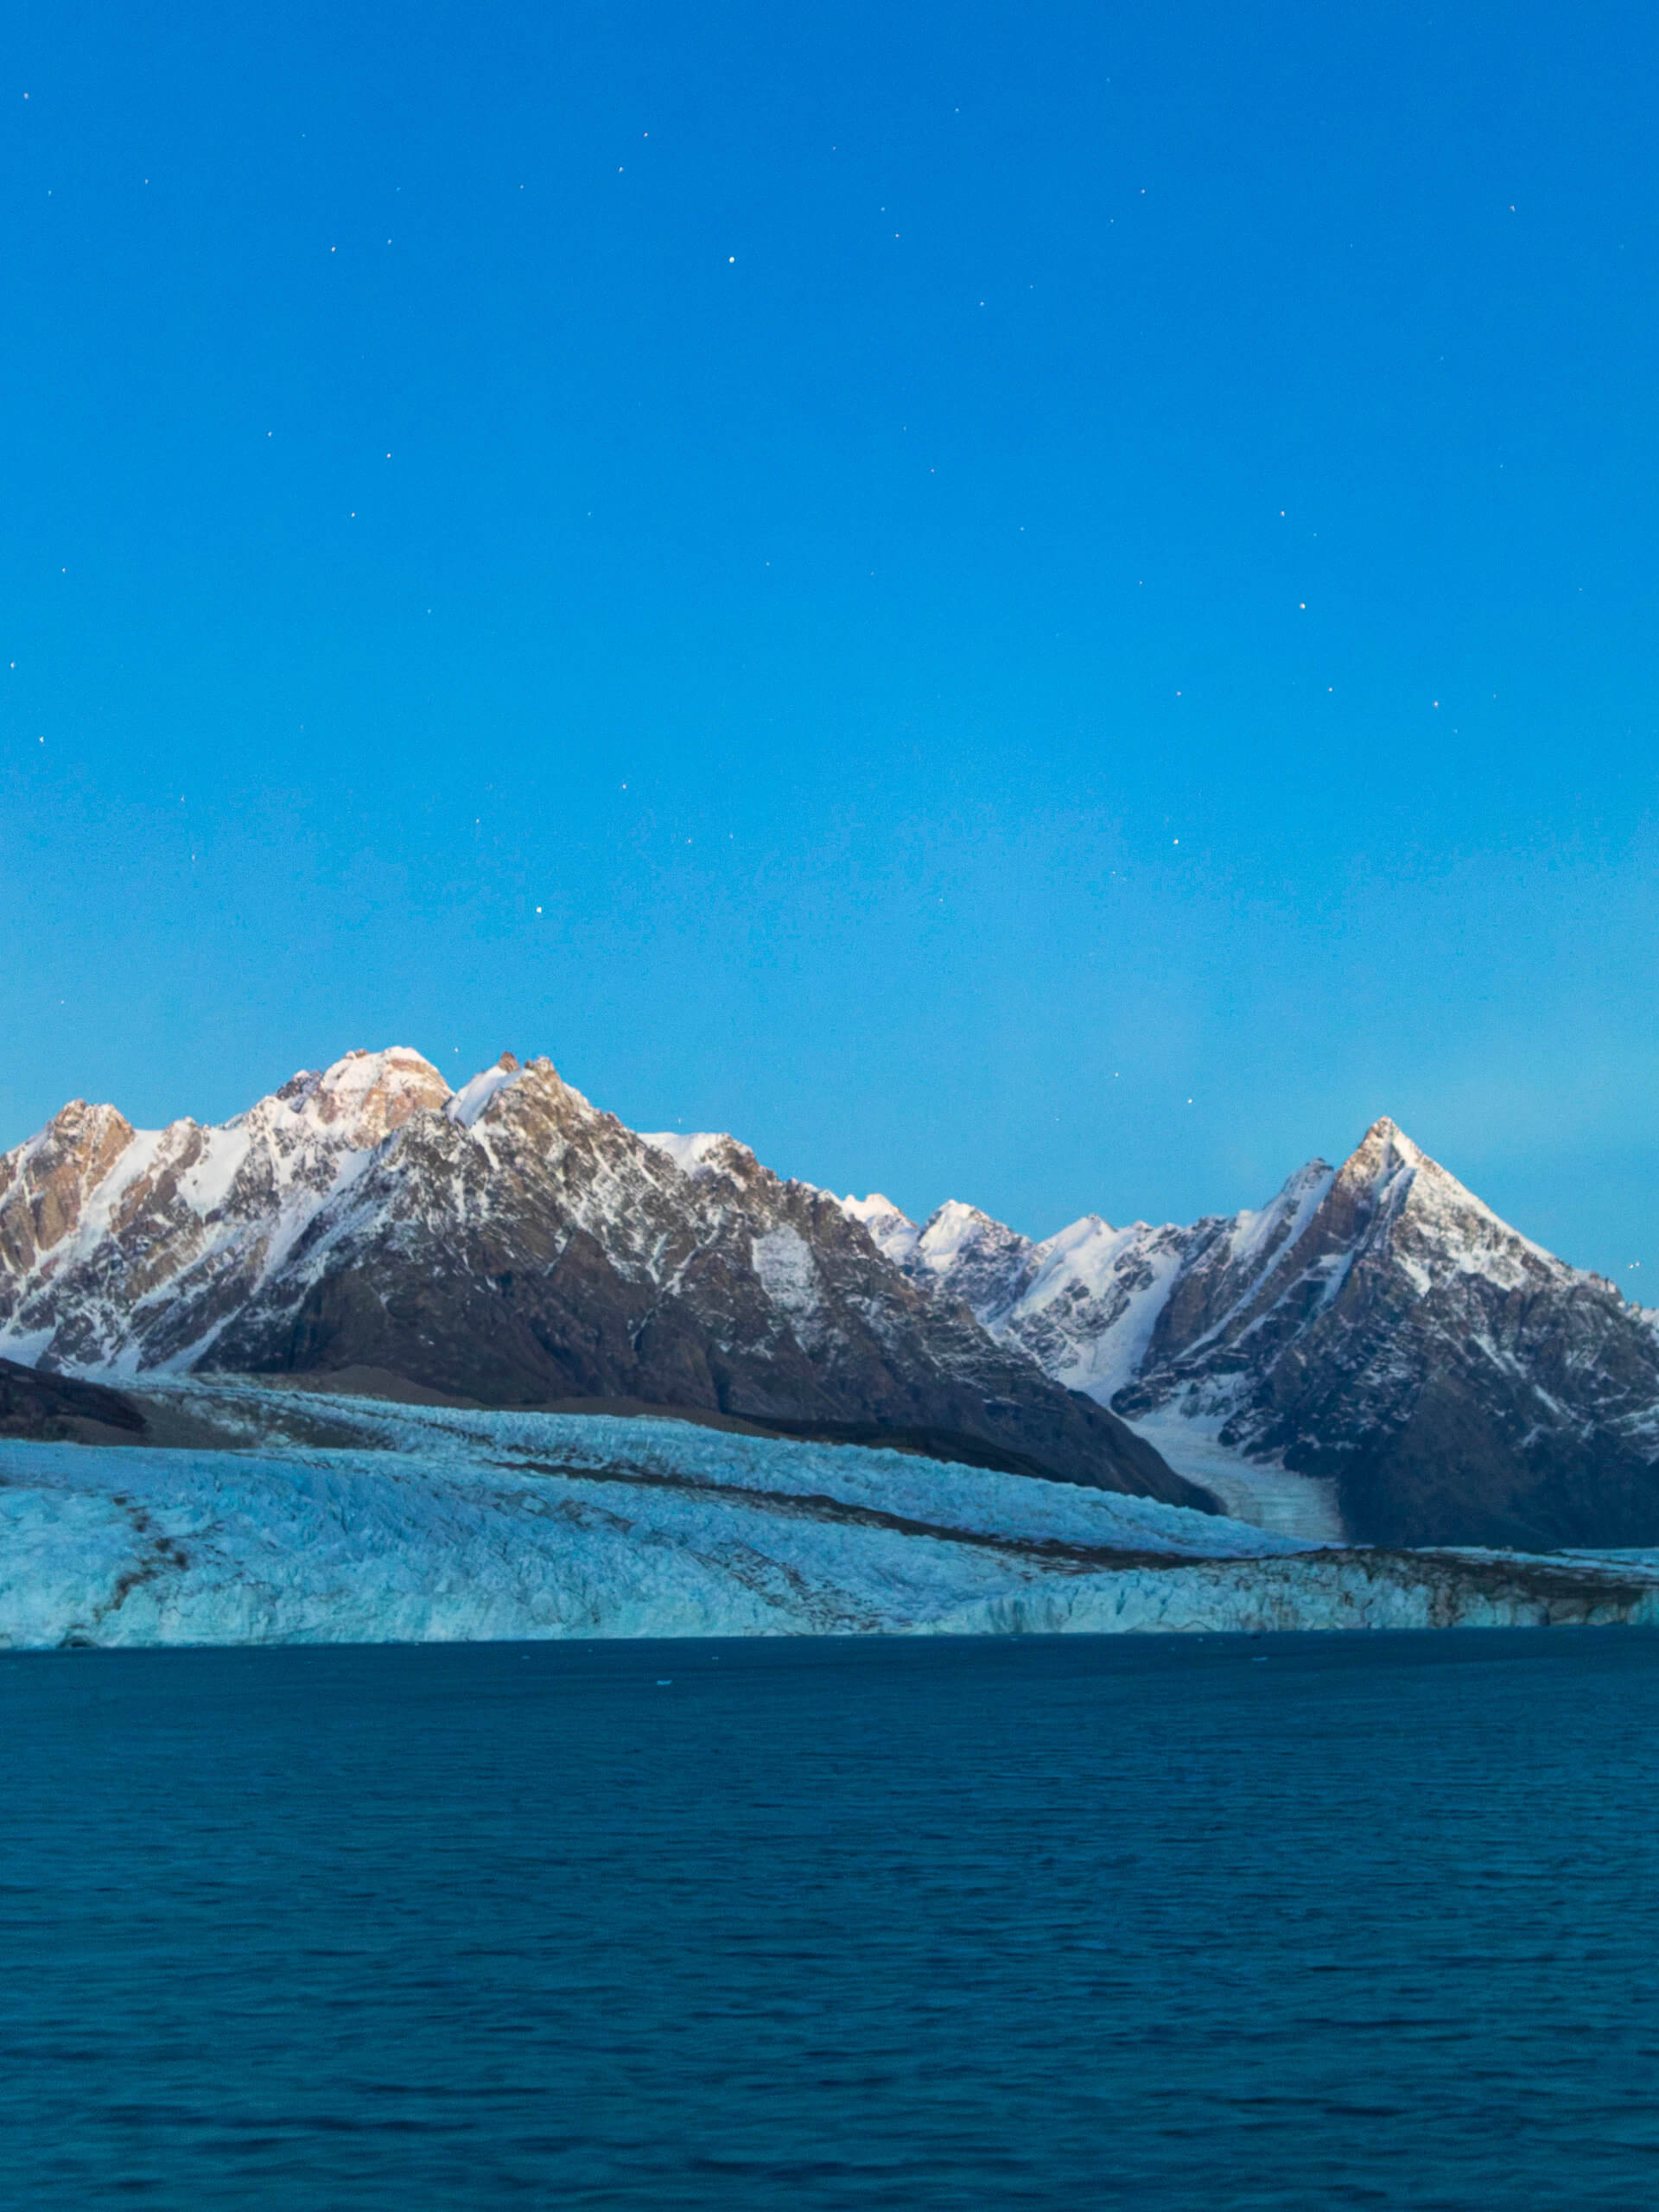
[334, 1519]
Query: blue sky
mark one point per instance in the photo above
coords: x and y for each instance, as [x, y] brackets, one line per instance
[1054, 606]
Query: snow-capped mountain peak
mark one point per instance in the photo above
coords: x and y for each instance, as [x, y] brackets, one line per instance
[893, 1232]
[980, 1258]
[366, 1094]
[1437, 1226]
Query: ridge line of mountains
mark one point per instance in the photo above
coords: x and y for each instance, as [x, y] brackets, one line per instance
[1373, 1334]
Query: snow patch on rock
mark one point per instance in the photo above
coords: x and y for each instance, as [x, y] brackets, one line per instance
[783, 1260]
[691, 1151]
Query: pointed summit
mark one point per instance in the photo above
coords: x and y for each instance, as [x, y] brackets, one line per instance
[1383, 1149]
[894, 1233]
[1389, 1179]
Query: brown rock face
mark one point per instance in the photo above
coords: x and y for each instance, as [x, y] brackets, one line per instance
[44, 1185]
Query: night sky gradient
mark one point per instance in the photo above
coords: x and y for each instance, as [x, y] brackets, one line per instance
[927, 586]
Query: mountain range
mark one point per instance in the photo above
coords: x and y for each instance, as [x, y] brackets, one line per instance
[508, 1244]
[1375, 1328]
[1374, 1344]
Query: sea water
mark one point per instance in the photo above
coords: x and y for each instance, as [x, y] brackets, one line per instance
[1294, 1921]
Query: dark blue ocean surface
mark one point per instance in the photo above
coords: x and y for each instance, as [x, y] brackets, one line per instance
[1298, 1922]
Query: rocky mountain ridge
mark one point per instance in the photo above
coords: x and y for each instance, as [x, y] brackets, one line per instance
[1374, 1326]
[1375, 1333]
[509, 1244]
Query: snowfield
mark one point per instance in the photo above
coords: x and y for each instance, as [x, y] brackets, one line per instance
[413, 1524]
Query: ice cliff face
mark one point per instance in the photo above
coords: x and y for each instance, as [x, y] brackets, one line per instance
[336, 1520]
[512, 1245]
[1374, 1326]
